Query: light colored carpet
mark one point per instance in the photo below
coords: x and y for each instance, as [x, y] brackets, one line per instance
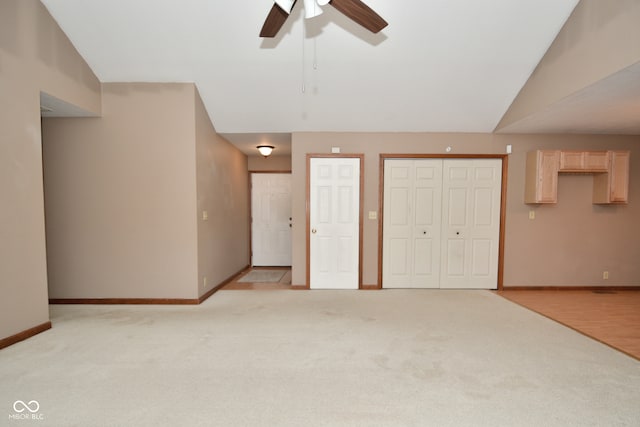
[319, 358]
[262, 276]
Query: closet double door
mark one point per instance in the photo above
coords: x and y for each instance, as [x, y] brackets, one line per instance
[441, 225]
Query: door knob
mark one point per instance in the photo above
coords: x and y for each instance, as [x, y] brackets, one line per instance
[313, 230]
[457, 233]
[424, 232]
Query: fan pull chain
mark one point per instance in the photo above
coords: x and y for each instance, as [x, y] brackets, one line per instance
[315, 53]
[304, 36]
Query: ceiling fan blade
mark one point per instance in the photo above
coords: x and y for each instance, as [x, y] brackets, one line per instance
[275, 21]
[360, 13]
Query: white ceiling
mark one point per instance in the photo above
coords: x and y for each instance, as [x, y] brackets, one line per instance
[440, 65]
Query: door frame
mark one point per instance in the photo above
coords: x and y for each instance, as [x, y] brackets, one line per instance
[308, 210]
[503, 201]
[250, 204]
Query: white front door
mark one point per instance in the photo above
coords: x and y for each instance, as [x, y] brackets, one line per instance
[334, 223]
[471, 223]
[441, 226]
[411, 239]
[271, 219]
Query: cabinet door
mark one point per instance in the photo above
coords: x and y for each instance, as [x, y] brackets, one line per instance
[571, 161]
[596, 161]
[619, 177]
[541, 182]
[584, 161]
[613, 186]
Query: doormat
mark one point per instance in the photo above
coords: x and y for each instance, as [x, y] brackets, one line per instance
[262, 276]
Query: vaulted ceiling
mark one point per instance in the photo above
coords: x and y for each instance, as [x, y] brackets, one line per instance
[440, 65]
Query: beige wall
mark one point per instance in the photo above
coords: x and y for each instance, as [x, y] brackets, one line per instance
[599, 39]
[270, 164]
[574, 241]
[223, 192]
[34, 56]
[121, 198]
[570, 243]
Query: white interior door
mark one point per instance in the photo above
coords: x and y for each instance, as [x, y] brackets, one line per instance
[471, 223]
[412, 222]
[271, 219]
[441, 223]
[334, 219]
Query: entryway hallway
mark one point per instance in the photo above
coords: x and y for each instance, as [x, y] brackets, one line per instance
[244, 280]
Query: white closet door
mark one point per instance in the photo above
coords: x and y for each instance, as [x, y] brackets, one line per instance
[471, 223]
[270, 219]
[334, 216]
[411, 236]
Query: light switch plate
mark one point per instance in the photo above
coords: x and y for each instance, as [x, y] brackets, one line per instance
[373, 215]
[205, 215]
[532, 214]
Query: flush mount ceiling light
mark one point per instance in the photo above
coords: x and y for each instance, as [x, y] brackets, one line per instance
[355, 10]
[265, 149]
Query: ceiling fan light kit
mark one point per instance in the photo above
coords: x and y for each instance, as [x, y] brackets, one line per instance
[355, 10]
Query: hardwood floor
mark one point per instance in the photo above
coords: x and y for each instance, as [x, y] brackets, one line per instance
[611, 317]
[284, 283]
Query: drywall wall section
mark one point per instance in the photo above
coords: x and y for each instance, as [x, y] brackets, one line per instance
[222, 210]
[371, 144]
[35, 56]
[270, 164]
[574, 241]
[599, 39]
[121, 197]
[567, 244]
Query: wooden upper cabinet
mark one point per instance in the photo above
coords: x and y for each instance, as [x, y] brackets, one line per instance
[613, 187]
[541, 182]
[584, 161]
[610, 171]
[571, 161]
[596, 161]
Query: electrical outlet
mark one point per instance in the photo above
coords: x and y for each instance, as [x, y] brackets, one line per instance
[205, 215]
[605, 275]
[532, 214]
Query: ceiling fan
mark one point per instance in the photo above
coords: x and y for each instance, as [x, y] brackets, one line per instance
[356, 10]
